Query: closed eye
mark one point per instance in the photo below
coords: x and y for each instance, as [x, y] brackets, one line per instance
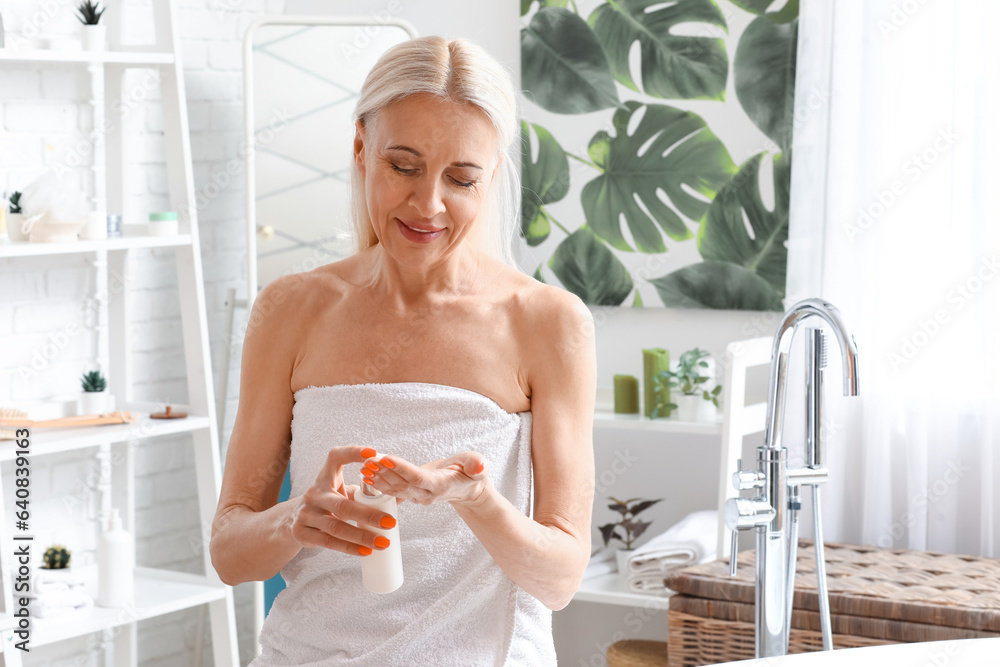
[462, 184]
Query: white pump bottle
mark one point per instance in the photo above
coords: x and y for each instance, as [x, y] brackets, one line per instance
[115, 564]
[382, 569]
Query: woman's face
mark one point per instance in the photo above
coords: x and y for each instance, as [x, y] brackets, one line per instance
[429, 167]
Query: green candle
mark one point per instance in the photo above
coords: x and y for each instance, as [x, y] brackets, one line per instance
[655, 360]
[627, 394]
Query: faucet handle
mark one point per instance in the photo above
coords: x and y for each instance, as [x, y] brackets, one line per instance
[748, 479]
[733, 550]
[746, 513]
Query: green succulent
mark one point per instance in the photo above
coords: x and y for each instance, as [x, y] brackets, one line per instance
[93, 381]
[90, 12]
[56, 557]
[15, 202]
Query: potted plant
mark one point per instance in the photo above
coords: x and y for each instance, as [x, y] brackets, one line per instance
[94, 399]
[16, 218]
[689, 379]
[631, 529]
[92, 32]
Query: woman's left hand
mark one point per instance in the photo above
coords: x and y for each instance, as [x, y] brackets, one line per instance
[461, 478]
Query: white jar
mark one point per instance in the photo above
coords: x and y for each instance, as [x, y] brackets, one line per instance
[163, 223]
[96, 227]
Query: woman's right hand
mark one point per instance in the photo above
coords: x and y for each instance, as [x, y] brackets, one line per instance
[319, 517]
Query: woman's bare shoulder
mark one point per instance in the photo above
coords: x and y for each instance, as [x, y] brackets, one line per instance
[559, 313]
[298, 291]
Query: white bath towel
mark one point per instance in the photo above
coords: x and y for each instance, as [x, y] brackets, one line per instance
[55, 604]
[44, 580]
[456, 606]
[690, 541]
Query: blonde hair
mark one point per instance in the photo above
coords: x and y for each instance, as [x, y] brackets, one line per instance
[457, 71]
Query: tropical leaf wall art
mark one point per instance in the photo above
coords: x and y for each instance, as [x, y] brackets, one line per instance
[638, 88]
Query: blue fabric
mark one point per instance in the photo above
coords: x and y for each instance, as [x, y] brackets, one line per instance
[276, 584]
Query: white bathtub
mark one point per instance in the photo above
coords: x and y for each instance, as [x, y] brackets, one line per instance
[958, 653]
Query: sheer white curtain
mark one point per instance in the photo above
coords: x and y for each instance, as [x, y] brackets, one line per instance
[896, 220]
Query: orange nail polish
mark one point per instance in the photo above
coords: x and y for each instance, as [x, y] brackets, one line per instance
[381, 542]
[368, 452]
[364, 551]
[367, 473]
[372, 466]
[387, 463]
[367, 481]
[387, 522]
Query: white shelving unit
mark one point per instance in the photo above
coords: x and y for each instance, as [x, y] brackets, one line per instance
[736, 420]
[157, 591]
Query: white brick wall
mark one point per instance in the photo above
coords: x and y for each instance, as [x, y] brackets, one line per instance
[47, 338]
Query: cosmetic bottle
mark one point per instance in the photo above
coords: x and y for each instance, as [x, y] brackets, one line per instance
[382, 569]
[115, 564]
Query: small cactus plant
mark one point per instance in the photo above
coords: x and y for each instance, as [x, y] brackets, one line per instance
[56, 557]
[93, 381]
[90, 12]
[15, 202]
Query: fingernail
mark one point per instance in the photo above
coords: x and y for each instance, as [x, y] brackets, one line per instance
[367, 481]
[381, 542]
[368, 452]
[367, 473]
[387, 522]
[371, 465]
[365, 551]
[387, 463]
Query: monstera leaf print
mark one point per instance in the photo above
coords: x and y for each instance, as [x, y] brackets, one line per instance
[526, 4]
[669, 148]
[672, 66]
[789, 10]
[543, 181]
[760, 246]
[717, 285]
[587, 268]
[563, 68]
[764, 76]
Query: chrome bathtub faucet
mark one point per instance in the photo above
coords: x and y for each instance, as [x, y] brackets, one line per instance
[773, 513]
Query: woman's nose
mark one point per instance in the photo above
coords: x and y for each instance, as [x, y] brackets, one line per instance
[426, 198]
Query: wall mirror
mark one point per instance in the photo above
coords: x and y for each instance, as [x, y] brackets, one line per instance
[302, 78]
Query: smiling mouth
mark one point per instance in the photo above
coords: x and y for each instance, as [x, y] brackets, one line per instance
[422, 231]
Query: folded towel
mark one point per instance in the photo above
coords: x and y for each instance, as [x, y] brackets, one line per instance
[690, 541]
[602, 562]
[60, 603]
[44, 580]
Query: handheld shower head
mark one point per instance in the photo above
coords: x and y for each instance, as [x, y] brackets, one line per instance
[779, 355]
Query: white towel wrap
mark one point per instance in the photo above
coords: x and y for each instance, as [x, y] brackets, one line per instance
[456, 606]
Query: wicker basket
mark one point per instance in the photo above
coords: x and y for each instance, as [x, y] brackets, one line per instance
[637, 653]
[876, 597]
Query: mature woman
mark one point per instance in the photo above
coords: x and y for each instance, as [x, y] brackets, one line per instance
[474, 382]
